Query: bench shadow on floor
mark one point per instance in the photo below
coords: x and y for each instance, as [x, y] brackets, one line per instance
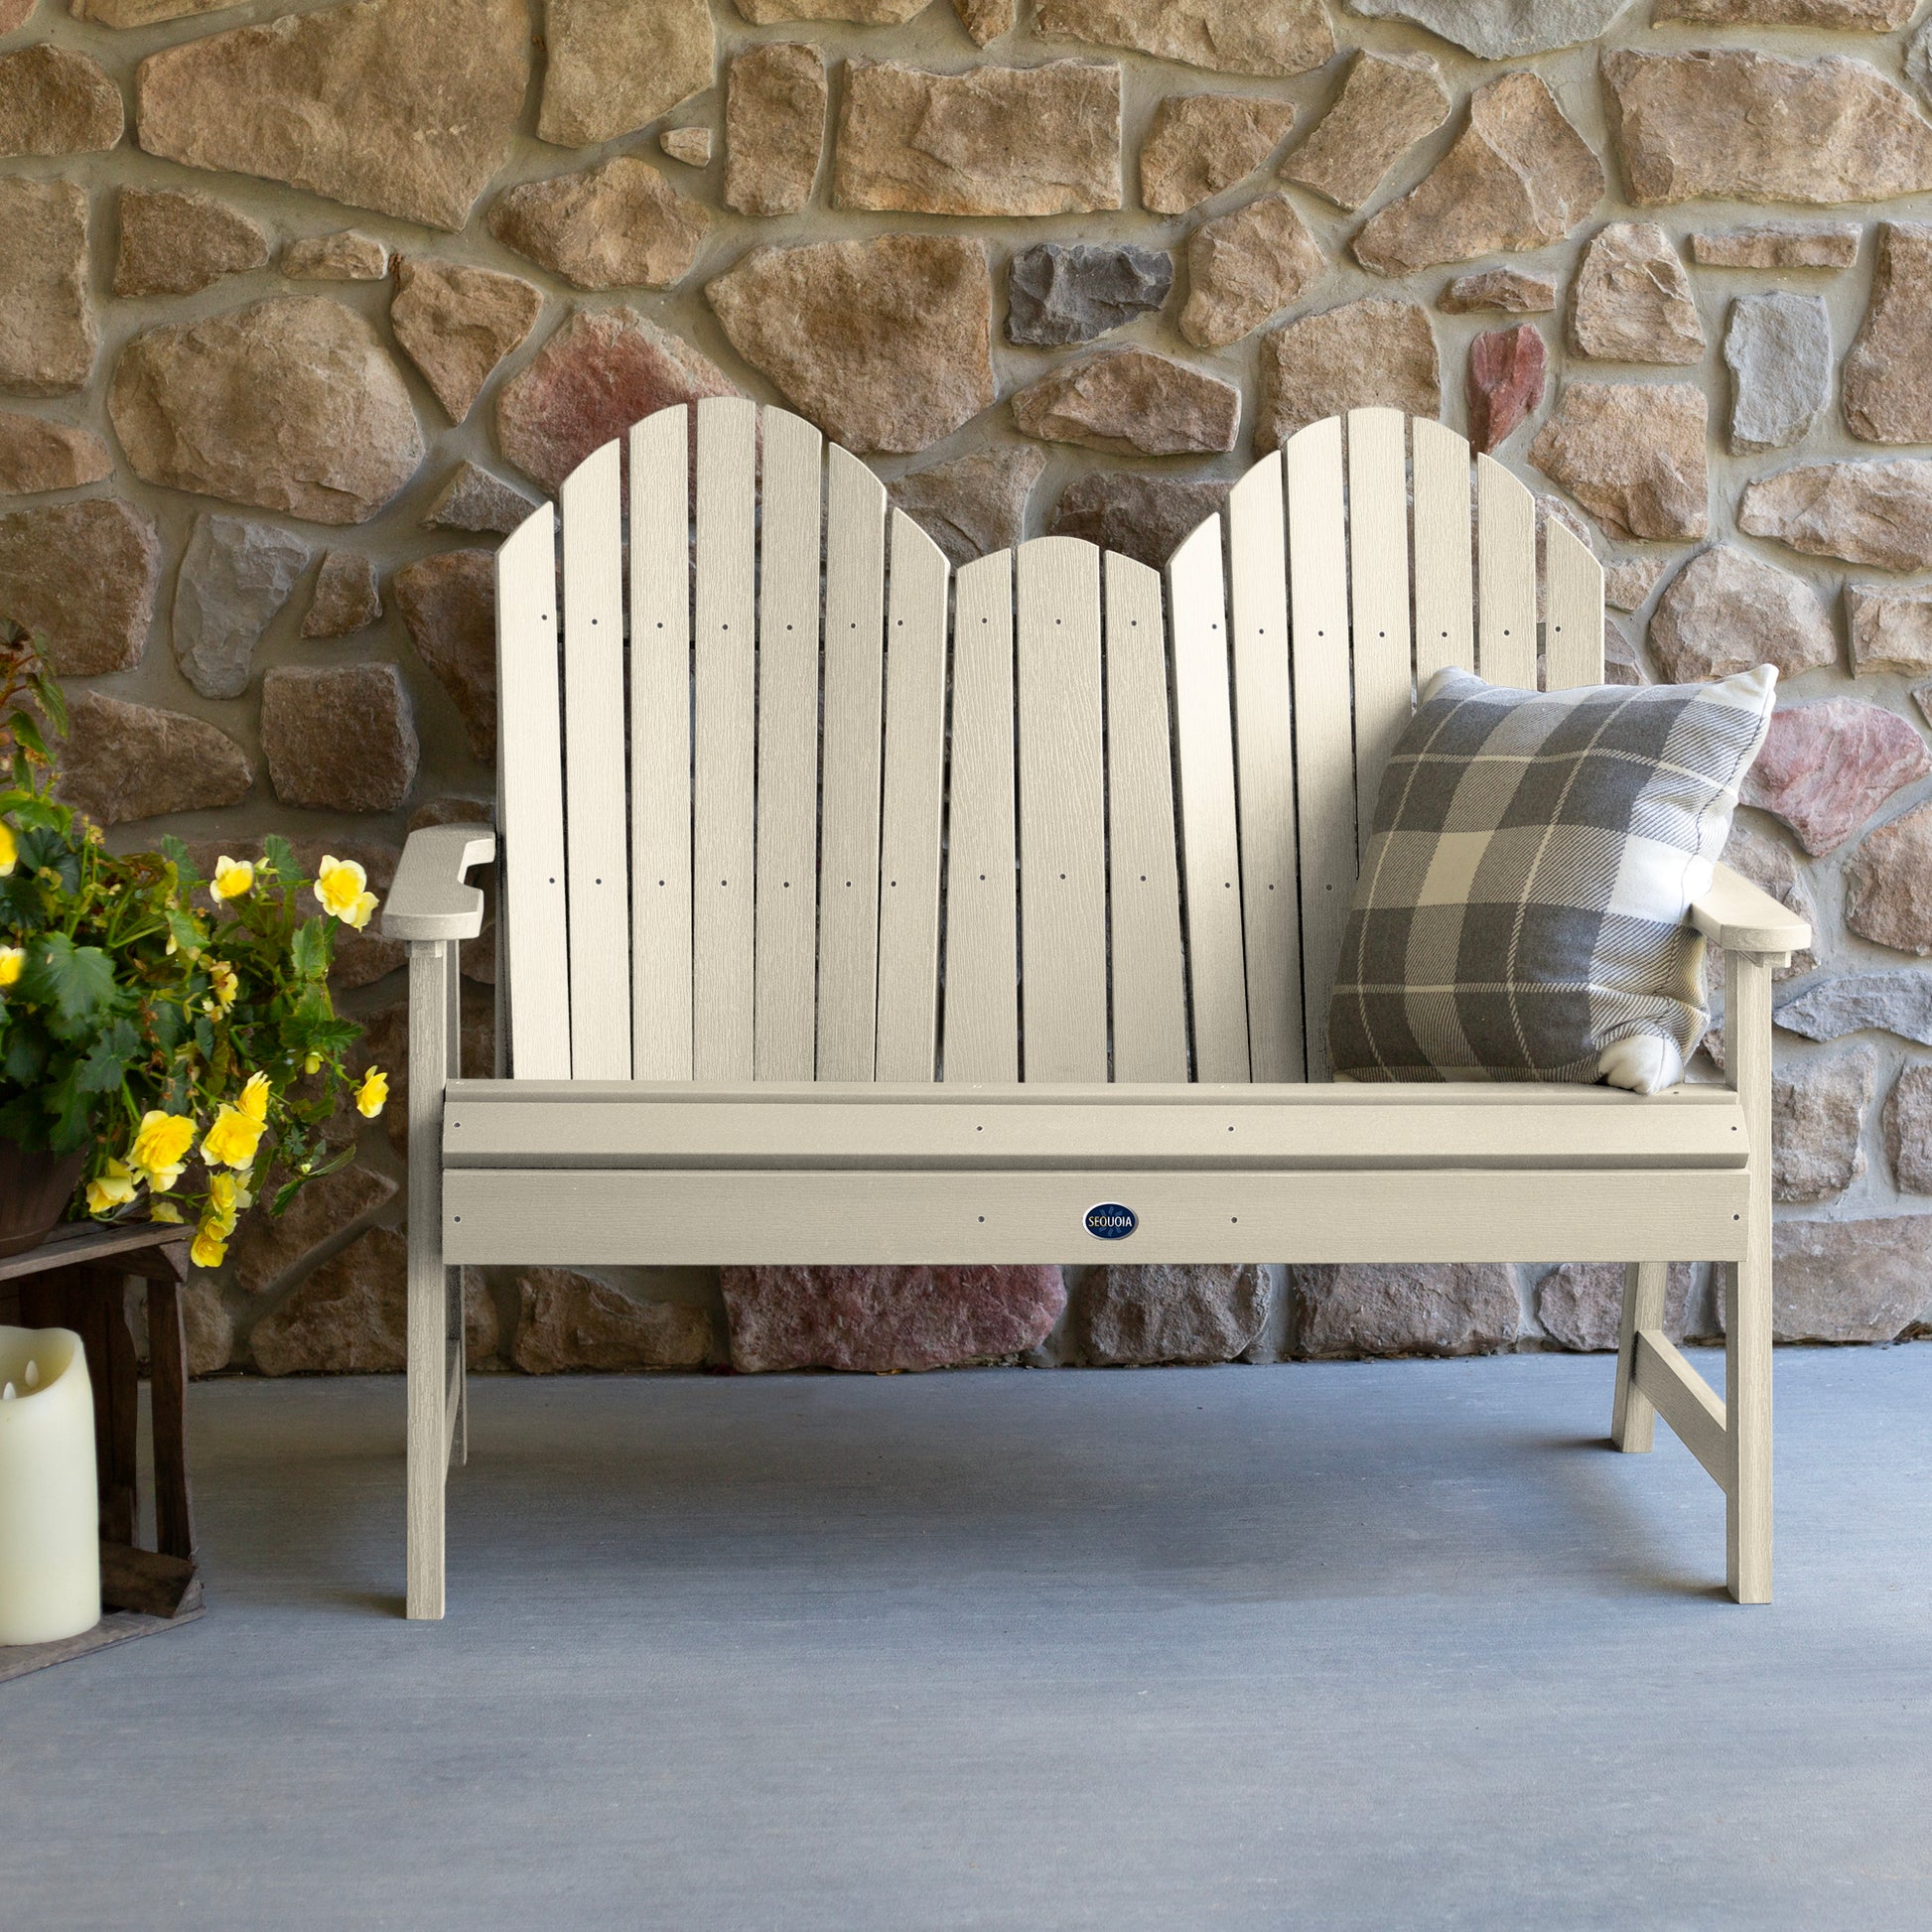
[1237, 1485]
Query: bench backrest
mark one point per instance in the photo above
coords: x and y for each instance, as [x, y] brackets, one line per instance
[790, 801]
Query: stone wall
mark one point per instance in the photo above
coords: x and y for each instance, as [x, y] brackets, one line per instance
[303, 308]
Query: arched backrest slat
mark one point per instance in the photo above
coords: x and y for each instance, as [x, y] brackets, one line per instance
[594, 775]
[1324, 730]
[661, 746]
[848, 879]
[982, 1002]
[1062, 839]
[785, 951]
[530, 798]
[1445, 583]
[1209, 842]
[1150, 994]
[1265, 769]
[1378, 584]
[724, 620]
[914, 797]
[1506, 577]
[1572, 610]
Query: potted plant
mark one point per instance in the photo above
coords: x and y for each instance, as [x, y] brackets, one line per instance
[168, 1044]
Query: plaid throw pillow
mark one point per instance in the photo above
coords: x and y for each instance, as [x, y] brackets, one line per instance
[1520, 909]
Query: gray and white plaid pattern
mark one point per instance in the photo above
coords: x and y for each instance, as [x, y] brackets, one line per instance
[1520, 909]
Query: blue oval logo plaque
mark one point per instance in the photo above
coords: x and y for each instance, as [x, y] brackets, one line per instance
[1108, 1220]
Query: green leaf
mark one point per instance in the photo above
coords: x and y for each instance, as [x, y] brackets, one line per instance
[104, 1065]
[77, 983]
[185, 932]
[280, 855]
[176, 853]
[310, 949]
[27, 733]
[26, 1055]
[52, 701]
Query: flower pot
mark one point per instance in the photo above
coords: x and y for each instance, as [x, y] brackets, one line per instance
[35, 1190]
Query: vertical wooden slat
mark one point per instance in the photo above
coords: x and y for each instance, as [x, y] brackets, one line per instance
[1264, 770]
[1209, 845]
[1506, 577]
[428, 1317]
[723, 764]
[1324, 750]
[660, 747]
[788, 828]
[594, 787]
[1062, 840]
[1378, 577]
[1747, 1308]
[174, 1526]
[981, 1040]
[1144, 881]
[1445, 581]
[531, 809]
[914, 788]
[848, 895]
[1572, 610]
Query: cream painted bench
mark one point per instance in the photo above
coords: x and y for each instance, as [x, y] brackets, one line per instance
[857, 912]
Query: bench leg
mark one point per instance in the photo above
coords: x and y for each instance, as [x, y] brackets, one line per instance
[1632, 1417]
[1748, 1318]
[429, 1320]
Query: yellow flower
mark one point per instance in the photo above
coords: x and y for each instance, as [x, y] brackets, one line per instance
[311, 1064]
[113, 1186]
[225, 1199]
[165, 1210]
[374, 1094]
[9, 849]
[254, 1097]
[244, 1189]
[160, 1149]
[13, 962]
[342, 887]
[211, 1247]
[232, 878]
[222, 988]
[232, 1141]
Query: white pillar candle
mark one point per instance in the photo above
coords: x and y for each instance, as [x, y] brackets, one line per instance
[49, 1513]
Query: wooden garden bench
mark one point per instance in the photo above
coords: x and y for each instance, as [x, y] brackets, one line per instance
[859, 910]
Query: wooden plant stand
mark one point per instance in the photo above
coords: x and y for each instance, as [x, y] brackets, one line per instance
[77, 1278]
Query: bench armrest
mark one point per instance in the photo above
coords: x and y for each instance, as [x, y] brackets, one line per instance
[429, 900]
[1731, 912]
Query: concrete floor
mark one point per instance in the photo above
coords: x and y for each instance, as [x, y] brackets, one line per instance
[1326, 1646]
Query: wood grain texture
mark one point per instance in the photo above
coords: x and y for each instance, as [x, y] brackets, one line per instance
[1062, 839]
[1264, 770]
[594, 769]
[847, 878]
[981, 1040]
[1572, 610]
[1037, 1214]
[1378, 586]
[1748, 1309]
[723, 763]
[1445, 575]
[1325, 732]
[661, 746]
[1150, 986]
[914, 795]
[1506, 577]
[428, 1313]
[530, 756]
[1299, 1126]
[1209, 843]
[792, 542]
